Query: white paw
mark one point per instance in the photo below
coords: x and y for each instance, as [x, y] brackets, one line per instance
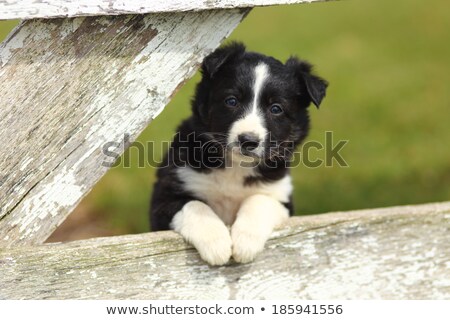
[201, 227]
[215, 248]
[246, 245]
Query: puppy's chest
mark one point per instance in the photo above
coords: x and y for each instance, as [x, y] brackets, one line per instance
[224, 190]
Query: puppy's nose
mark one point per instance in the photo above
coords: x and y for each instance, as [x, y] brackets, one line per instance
[248, 141]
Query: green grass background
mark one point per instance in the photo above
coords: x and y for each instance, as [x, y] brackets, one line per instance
[388, 64]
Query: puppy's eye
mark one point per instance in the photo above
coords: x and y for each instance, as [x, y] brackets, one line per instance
[231, 101]
[276, 109]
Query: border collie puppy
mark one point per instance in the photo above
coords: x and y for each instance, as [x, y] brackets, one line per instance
[224, 184]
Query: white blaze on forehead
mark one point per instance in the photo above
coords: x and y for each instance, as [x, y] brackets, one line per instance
[261, 74]
[253, 120]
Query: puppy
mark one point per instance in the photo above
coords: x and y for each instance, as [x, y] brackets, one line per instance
[224, 184]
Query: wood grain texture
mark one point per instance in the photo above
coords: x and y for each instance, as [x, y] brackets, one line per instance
[392, 253]
[30, 9]
[68, 86]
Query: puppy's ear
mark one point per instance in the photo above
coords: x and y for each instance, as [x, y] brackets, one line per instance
[220, 56]
[315, 85]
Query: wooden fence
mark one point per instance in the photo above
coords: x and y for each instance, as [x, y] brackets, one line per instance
[77, 74]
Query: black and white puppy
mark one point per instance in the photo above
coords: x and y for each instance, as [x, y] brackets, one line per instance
[225, 184]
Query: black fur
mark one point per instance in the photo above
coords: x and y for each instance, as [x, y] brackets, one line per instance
[229, 72]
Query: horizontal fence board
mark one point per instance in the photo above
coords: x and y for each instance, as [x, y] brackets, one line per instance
[391, 253]
[31, 9]
[68, 86]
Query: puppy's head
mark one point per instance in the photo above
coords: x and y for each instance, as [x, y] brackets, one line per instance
[255, 105]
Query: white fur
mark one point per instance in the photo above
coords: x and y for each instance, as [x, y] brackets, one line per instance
[261, 74]
[256, 219]
[253, 121]
[224, 190]
[253, 212]
[198, 224]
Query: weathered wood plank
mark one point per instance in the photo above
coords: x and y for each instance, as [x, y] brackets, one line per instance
[68, 86]
[29, 9]
[392, 253]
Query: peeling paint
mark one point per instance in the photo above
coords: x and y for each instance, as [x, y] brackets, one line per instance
[25, 164]
[8, 47]
[62, 192]
[99, 93]
[70, 26]
[341, 263]
[15, 9]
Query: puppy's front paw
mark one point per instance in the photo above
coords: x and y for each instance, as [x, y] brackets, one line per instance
[246, 245]
[201, 227]
[216, 248]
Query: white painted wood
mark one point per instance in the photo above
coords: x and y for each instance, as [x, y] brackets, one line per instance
[30, 9]
[68, 86]
[392, 253]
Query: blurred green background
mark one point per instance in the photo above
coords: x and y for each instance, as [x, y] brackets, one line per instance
[388, 64]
